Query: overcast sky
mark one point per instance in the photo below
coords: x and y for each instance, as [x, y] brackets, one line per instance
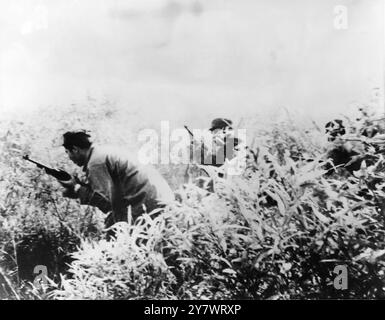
[191, 58]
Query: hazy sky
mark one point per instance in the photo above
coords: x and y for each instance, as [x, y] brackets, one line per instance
[191, 58]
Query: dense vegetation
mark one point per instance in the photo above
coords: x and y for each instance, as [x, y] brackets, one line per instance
[275, 232]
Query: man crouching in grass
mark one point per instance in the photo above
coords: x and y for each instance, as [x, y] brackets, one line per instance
[114, 181]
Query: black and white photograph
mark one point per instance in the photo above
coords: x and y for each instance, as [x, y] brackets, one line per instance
[201, 151]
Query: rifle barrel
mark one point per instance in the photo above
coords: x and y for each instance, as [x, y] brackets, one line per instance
[40, 165]
[58, 174]
[189, 131]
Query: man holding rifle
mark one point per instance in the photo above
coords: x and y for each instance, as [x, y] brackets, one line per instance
[114, 181]
[224, 144]
[219, 150]
[224, 140]
[349, 153]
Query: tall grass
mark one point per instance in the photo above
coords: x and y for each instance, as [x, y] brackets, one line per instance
[275, 232]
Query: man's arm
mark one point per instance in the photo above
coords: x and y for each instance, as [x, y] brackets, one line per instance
[96, 193]
[93, 198]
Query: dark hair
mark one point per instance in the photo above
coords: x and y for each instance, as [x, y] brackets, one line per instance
[370, 132]
[76, 138]
[335, 128]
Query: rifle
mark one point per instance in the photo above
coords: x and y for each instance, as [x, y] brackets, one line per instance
[189, 131]
[58, 174]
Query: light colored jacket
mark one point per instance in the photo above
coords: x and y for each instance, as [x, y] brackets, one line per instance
[115, 181]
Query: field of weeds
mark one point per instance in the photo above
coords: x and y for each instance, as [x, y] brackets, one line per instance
[277, 231]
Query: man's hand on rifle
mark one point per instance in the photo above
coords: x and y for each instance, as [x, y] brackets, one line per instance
[69, 193]
[71, 187]
[68, 183]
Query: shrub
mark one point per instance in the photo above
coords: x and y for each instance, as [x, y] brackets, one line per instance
[275, 232]
[231, 245]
